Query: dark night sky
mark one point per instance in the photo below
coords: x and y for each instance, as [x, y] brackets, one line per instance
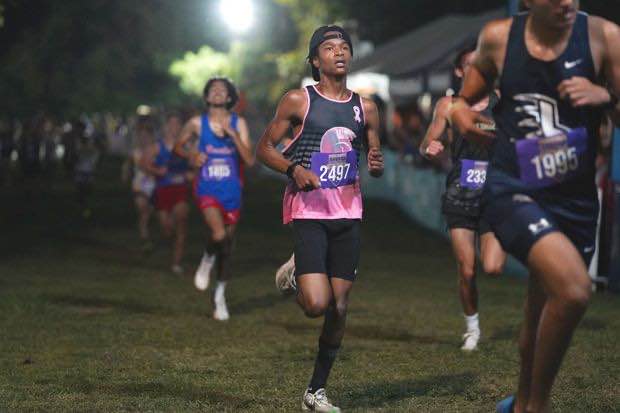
[379, 21]
[102, 53]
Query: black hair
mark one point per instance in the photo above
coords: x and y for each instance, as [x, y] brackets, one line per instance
[230, 87]
[458, 59]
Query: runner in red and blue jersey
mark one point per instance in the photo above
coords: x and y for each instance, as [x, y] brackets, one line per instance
[171, 187]
[224, 147]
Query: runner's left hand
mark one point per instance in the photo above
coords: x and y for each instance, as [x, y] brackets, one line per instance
[581, 92]
[228, 130]
[375, 162]
[218, 129]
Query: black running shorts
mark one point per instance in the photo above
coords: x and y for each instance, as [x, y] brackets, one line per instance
[477, 224]
[327, 246]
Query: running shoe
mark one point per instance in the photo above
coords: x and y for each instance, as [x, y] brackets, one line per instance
[317, 402]
[470, 340]
[507, 405]
[201, 279]
[285, 277]
[221, 310]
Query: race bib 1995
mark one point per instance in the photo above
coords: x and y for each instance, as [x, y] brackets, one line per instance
[548, 161]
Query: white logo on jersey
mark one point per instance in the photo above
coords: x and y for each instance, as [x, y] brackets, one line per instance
[570, 65]
[521, 198]
[543, 115]
[539, 226]
[357, 116]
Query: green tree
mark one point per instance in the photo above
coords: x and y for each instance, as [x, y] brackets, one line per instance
[194, 69]
[74, 56]
[265, 64]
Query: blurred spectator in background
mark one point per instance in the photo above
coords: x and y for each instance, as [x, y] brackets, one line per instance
[47, 151]
[409, 129]
[29, 146]
[142, 182]
[6, 148]
[87, 155]
[382, 109]
[69, 139]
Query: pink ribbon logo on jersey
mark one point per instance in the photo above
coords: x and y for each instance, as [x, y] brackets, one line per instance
[357, 116]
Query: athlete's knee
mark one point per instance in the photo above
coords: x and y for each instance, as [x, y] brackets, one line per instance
[340, 308]
[466, 271]
[315, 307]
[577, 296]
[493, 267]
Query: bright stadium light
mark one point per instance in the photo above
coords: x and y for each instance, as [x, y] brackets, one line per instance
[238, 14]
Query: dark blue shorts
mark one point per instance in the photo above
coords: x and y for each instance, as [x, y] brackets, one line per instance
[519, 221]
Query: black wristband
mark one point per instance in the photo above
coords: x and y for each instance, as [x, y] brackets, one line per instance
[613, 101]
[291, 169]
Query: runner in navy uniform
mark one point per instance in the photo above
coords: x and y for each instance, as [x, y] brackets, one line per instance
[323, 197]
[461, 201]
[540, 196]
[223, 147]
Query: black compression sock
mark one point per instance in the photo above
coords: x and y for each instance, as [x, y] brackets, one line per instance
[322, 366]
[214, 248]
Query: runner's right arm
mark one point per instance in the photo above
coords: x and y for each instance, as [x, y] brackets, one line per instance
[479, 81]
[291, 108]
[147, 161]
[431, 146]
[191, 129]
[375, 156]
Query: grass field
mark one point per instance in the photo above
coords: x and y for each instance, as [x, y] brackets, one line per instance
[88, 323]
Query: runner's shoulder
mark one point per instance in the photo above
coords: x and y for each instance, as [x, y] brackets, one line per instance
[294, 102]
[195, 120]
[495, 33]
[603, 29]
[295, 97]
[442, 106]
[193, 125]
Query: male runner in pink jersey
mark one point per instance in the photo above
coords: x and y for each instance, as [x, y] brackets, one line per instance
[323, 199]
